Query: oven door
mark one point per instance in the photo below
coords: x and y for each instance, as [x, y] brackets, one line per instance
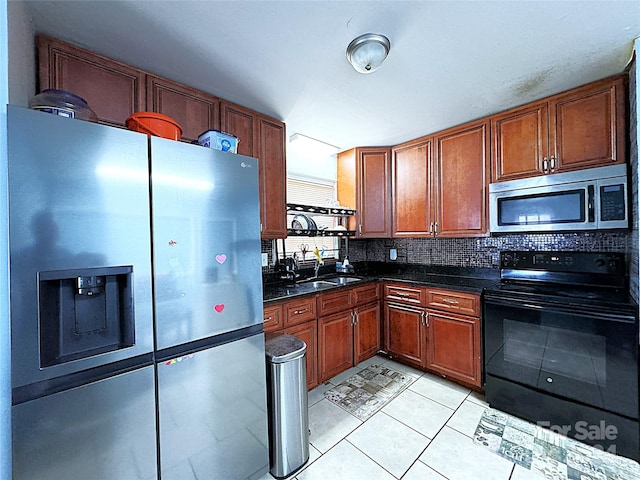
[584, 356]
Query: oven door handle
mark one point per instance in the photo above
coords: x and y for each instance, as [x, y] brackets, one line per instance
[518, 303]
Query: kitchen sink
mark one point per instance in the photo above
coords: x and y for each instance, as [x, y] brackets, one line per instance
[343, 280]
[319, 284]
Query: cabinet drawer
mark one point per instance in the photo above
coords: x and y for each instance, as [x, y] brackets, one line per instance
[366, 293]
[459, 302]
[335, 301]
[405, 294]
[272, 318]
[298, 311]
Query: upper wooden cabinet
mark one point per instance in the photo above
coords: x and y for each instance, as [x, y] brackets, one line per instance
[364, 183]
[241, 122]
[265, 138]
[411, 174]
[461, 171]
[195, 111]
[439, 184]
[113, 90]
[582, 128]
[273, 172]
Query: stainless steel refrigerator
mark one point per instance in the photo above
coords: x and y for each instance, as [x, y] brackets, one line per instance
[136, 306]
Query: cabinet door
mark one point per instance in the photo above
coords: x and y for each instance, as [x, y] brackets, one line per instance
[366, 332]
[195, 111]
[454, 346]
[462, 179]
[273, 172]
[113, 90]
[241, 122]
[374, 206]
[405, 336]
[335, 340]
[590, 126]
[411, 190]
[308, 333]
[520, 142]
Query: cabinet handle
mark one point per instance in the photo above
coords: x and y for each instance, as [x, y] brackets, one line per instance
[422, 318]
[431, 228]
[435, 230]
[353, 318]
[356, 319]
[267, 319]
[426, 319]
[552, 162]
[297, 312]
[360, 229]
[545, 165]
[450, 302]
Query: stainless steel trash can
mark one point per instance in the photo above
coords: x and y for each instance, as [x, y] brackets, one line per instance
[287, 403]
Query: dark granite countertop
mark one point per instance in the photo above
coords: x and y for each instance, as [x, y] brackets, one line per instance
[454, 278]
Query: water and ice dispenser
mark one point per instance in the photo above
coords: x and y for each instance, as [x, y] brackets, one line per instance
[85, 312]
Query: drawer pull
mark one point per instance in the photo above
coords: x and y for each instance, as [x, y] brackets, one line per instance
[267, 319]
[449, 301]
[297, 312]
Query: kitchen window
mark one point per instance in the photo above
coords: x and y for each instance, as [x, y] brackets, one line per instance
[317, 192]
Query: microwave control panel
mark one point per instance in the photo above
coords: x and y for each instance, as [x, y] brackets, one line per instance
[612, 202]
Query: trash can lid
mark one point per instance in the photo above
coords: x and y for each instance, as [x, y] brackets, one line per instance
[281, 348]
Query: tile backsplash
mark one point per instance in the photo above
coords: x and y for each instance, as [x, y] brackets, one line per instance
[482, 252]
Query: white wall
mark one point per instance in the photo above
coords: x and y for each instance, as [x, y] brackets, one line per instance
[311, 158]
[22, 55]
[5, 325]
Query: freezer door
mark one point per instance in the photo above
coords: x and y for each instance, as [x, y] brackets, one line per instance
[206, 234]
[102, 430]
[212, 413]
[78, 200]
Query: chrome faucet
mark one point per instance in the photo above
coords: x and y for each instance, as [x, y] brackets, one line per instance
[316, 268]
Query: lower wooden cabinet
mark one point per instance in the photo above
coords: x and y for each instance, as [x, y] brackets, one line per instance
[335, 353]
[405, 333]
[366, 332]
[454, 346]
[434, 329]
[307, 332]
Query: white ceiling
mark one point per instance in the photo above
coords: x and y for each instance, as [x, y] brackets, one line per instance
[450, 61]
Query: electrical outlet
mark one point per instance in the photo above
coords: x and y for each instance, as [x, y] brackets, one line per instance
[265, 259]
[393, 254]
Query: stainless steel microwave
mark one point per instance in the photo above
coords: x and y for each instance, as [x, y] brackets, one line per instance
[591, 199]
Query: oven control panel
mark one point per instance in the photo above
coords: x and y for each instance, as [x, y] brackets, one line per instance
[609, 263]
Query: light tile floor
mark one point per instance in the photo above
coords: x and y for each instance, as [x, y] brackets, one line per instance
[425, 433]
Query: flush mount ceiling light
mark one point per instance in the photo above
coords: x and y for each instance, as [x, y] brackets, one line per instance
[367, 52]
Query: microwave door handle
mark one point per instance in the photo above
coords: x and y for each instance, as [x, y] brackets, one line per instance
[590, 204]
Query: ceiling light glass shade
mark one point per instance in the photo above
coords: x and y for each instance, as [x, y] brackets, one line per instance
[367, 52]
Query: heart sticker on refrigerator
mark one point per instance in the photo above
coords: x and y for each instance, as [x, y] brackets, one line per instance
[218, 308]
[221, 258]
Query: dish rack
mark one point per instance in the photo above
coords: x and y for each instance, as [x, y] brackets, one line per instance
[310, 210]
